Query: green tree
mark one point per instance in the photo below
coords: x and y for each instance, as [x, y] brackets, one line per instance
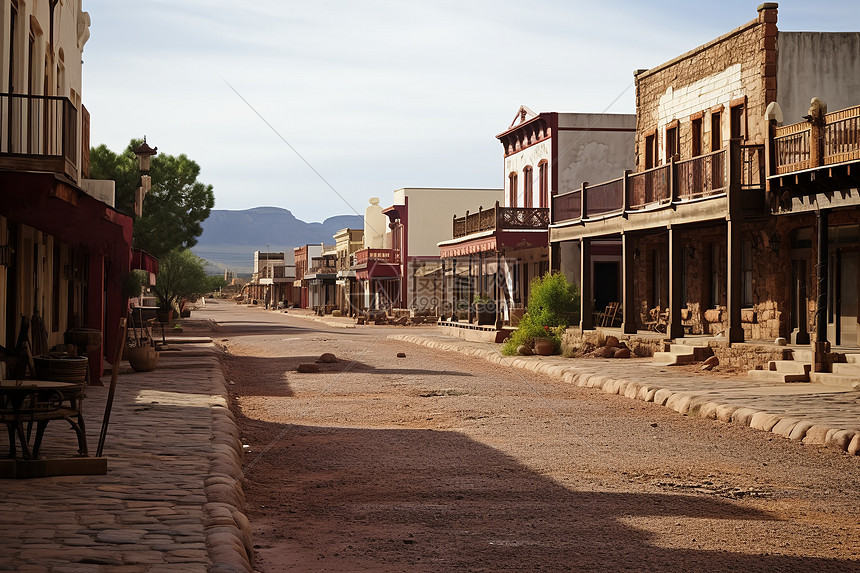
[174, 208]
[181, 275]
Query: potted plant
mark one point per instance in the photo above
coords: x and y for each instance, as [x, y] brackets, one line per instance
[485, 309]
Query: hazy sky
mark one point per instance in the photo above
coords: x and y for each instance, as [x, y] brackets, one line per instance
[376, 95]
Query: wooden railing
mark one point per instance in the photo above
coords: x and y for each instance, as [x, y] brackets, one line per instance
[648, 187]
[604, 198]
[791, 147]
[497, 217]
[567, 206]
[697, 178]
[842, 136]
[38, 133]
[364, 256]
[753, 171]
[701, 176]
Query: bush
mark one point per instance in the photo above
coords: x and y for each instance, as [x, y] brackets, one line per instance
[553, 303]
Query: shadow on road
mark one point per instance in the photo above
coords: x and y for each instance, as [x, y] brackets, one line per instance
[394, 500]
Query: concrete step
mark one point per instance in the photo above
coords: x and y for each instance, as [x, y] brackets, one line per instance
[775, 376]
[831, 379]
[852, 358]
[802, 355]
[789, 367]
[847, 369]
[691, 341]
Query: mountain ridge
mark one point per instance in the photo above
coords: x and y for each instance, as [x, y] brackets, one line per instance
[230, 237]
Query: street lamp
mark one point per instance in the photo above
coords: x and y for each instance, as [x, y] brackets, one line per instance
[144, 155]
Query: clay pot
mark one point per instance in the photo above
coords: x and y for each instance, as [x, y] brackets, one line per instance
[143, 358]
[544, 346]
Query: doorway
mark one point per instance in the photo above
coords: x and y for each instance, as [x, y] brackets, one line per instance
[846, 297]
[606, 281]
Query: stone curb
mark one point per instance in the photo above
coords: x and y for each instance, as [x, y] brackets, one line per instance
[682, 402]
[226, 529]
[321, 320]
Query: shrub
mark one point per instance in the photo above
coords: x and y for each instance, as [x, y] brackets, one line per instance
[553, 303]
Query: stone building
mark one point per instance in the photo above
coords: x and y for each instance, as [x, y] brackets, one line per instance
[705, 247]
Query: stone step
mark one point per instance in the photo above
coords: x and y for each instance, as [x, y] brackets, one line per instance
[674, 358]
[699, 352]
[852, 358]
[847, 369]
[775, 376]
[691, 341]
[789, 367]
[802, 354]
[831, 379]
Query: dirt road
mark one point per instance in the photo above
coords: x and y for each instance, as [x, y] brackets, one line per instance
[439, 462]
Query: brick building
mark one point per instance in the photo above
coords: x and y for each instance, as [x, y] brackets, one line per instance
[706, 247]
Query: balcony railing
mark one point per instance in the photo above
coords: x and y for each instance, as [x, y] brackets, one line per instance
[364, 256]
[842, 136]
[791, 146]
[833, 139]
[501, 218]
[697, 178]
[567, 206]
[38, 133]
[648, 187]
[701, 176]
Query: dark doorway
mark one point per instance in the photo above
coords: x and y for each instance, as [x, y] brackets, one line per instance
[606, 284]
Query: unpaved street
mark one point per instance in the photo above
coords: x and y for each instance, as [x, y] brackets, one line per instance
[440, 462]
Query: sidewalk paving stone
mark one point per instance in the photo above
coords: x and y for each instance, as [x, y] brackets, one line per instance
[169, 436]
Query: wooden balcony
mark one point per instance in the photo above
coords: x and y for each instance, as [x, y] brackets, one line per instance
[667, 186]
[814, 164]
[38, 133]
[838, 135]
[499, 218]
[388, 256]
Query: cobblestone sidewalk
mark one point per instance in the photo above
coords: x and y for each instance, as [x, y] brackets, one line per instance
[170, 500]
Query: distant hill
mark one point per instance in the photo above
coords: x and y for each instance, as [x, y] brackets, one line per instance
[230, 238]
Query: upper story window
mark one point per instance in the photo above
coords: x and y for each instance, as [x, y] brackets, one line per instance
[696, 135]
[716, 130]
[512, 189]
[673, 141]
[528, 184]
[738, 119]
[650, 150]
[543, 183]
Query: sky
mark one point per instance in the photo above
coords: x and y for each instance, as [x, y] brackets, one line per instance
[316, 106]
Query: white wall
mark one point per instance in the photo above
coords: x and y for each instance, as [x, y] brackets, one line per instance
[515, 163]
[432, 210]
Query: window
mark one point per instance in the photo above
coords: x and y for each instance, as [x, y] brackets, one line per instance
[650, 150]
[716, 130]
[747, 273]
[528, 183]
[673, 145]
[738, 117]
[543, 183]
[696, 136]
[717, 275]
[512, 190]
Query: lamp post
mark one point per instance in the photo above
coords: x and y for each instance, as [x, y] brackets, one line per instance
[144, 155]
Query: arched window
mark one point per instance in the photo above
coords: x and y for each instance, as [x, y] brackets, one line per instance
[512, 189]
[528, 184]
[543, 184]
